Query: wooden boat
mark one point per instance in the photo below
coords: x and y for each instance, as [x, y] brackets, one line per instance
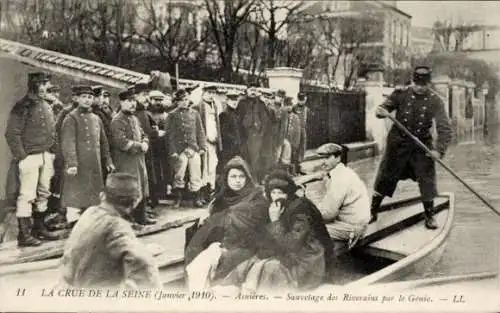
[394, 247]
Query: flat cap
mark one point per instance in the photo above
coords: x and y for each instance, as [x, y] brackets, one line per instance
[328, 149]
[122, 185]
[156, 94]
[54, 88]
[126, 94]
[422, 70]
[81, 89]
[38, 77]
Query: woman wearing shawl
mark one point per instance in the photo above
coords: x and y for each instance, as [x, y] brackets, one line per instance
[227, 236]
[294, 248]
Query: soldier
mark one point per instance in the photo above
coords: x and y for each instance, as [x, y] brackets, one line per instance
[209, 113]
[416, 108]
[186, 139]
[129, 144]
[30, 136]
[101, 107]
[84, 146]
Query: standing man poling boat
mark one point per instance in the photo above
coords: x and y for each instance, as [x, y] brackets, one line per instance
[416, 108]
[129, 144]
[30, 136]
[84, 146]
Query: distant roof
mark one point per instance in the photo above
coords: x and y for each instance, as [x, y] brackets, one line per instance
[317, 7]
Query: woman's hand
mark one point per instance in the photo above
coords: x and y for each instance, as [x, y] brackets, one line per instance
[275, 210]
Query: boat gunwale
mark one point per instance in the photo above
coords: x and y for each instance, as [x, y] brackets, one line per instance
[418, 255]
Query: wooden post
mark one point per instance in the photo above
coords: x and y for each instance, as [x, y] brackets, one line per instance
[176, 76]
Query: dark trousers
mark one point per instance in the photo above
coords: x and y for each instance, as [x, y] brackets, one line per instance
[254, 154]
[406, 161]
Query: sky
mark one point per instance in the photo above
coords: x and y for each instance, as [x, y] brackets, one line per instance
[424, 13]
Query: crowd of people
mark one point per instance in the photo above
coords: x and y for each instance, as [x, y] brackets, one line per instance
[176, 144]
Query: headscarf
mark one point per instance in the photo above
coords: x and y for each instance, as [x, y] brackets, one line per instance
[227, 197]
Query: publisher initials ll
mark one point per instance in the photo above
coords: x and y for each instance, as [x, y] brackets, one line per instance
[21, 292]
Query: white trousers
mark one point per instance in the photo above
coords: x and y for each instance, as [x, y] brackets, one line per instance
[193, 164]
[210, 162]
[35, 172]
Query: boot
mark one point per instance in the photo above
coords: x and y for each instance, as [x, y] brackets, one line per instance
[24, 237]
[177, 193]
[140, 215]
[40, 230]
[430, 222]
[375, 206]
[198, 200]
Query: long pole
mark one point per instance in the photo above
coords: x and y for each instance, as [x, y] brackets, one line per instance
[428, 151]
[177, 76]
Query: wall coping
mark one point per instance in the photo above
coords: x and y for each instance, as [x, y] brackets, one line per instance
[284, 72]
[458, 82]
[442, 79]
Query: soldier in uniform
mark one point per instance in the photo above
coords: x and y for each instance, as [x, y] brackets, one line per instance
[84, 146]
[54, 99]
[416, 108]
[129, 144]
[30, 136]
[186, 143]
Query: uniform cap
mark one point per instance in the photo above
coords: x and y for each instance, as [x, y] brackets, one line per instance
[97, 90]
[81, 89]
[422, 74]
[329, 149]
[38, 77]
[141, 87]
[126, 94]
[106, 93]
[233, 95]
[180, 94]
[301, 96]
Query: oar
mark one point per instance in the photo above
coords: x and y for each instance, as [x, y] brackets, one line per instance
[428, 151]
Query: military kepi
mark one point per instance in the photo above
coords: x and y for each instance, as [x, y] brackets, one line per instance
[81, 89]
[126, 94]
[329, 149]
[38, 77]
[422, 75]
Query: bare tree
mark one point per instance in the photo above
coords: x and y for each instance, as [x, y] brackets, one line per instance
[226, 17]
[173, 34]
[451, 36]
[272, 17]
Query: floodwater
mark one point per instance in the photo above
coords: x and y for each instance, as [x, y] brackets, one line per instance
[472, 246]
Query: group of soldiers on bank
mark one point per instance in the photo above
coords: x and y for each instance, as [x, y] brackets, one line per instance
[63, 153]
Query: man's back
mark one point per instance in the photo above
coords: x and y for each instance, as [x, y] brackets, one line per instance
[103, 251]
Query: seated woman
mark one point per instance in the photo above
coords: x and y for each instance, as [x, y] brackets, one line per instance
[226, 237]
[293, 249]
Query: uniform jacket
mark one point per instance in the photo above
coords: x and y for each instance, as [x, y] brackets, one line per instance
[30, 128]
[184, 129]
[147, 124]
[126, 138]
[84, 145]
[103, 251]
[417, 112]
